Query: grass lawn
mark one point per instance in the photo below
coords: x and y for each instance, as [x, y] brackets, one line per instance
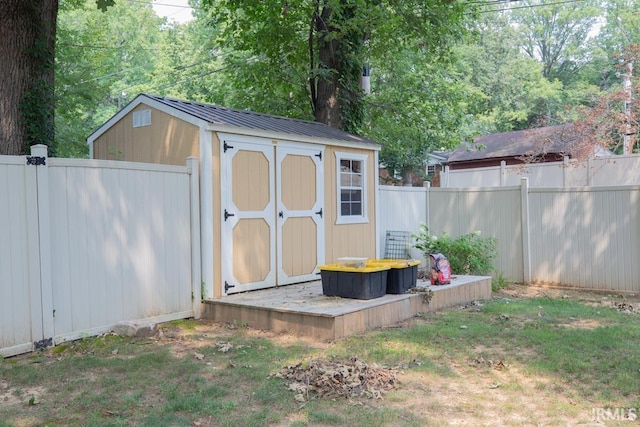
[529, 356]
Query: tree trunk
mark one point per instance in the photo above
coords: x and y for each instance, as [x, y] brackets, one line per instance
[326, 107]
[27, 46]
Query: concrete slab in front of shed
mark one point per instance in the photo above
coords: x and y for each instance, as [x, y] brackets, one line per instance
[302, 309]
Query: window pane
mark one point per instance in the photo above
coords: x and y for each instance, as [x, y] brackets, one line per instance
[356, 180]
[356, 195]
[356, 166]
[345, 179]
[356, 208]
[345, 165]
[345, 209]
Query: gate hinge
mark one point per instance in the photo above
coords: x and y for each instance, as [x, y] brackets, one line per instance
[227, 286]
[42, 344]
[36, 160]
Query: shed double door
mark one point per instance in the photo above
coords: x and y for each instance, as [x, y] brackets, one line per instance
[272, 213]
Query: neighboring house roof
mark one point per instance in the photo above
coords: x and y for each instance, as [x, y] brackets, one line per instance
[437, 157]
[545, 141]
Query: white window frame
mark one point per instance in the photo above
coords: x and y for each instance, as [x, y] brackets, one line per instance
[352, 219]
[141, 118]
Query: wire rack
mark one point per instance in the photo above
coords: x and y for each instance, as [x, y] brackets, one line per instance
[398, 245]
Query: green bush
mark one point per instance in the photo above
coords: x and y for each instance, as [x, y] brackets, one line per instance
[467, 254]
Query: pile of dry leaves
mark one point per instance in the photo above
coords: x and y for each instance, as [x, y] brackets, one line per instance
[334, 378]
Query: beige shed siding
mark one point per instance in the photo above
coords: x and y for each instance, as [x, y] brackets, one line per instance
[348, 239]
[216, 197]
[168, 140]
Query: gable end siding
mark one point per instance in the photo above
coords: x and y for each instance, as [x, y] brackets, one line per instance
[168, 140]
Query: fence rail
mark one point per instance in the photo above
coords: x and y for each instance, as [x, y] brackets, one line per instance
[92, 243]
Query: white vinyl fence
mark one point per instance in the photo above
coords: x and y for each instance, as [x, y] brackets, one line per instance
[601, 171]
[583, 237]
[89, 243]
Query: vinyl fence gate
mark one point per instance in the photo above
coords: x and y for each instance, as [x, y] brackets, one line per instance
[85, 244]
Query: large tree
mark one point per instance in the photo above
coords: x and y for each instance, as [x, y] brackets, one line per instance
[559, 34]
[27, 53]
[27, 42]
[316, 49]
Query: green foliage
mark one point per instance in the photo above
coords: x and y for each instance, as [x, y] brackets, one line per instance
[415, 109]
[37, 116]
[291, 57]
[557, 35]
[103, 59]
[467, 254]
[432, 87]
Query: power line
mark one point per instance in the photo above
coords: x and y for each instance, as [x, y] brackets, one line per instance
[151, 3]
[530, 6]
[105, 47]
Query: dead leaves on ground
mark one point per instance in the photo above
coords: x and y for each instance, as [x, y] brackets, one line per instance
[335, 378]
[427, 293]
[624, 307]
[481, 361]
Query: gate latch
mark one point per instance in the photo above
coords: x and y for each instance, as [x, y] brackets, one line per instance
[36, 160]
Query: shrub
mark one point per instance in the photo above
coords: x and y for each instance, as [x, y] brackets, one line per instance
[467, 254]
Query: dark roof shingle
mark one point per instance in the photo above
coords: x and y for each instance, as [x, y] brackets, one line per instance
[551, 139]
[250, 120]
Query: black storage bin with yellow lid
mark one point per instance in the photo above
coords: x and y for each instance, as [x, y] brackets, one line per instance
[354, 282]
[402, 276]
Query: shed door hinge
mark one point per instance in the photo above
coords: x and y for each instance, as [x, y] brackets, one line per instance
[226, 146]
[319, 155]
[36, 160]
[227, 286]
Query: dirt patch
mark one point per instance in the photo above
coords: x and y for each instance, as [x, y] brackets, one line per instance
[486, 395]
[12, 396]
[583, 324]
[597, 297]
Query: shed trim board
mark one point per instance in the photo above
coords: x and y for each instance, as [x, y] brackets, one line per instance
[285, 137]
[309, 230]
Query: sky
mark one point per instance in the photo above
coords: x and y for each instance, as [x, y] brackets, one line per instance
[174, 10]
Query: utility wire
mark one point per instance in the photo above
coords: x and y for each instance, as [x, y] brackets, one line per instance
[530, 6]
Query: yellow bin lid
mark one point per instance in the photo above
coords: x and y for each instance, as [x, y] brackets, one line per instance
[395, 263]
[369, 268]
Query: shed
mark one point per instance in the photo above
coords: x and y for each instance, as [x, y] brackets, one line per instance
[278, 196]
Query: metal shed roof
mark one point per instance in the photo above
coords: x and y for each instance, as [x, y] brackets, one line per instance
[222, 116]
